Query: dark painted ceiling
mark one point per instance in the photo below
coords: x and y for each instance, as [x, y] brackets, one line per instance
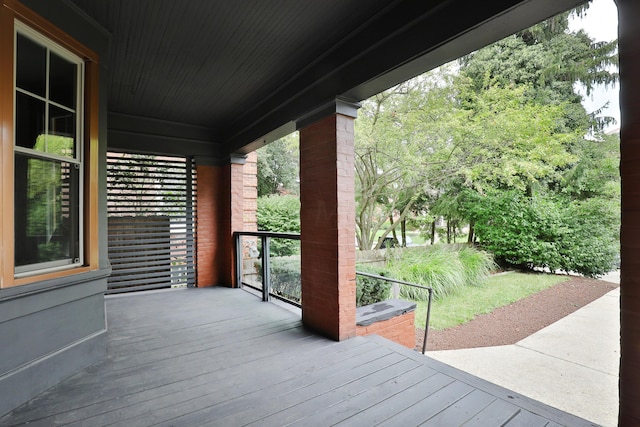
[207, 62]
[242, 68]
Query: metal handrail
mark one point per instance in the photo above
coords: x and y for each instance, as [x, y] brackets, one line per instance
[265, 237]
[402, 282]
[272, 234]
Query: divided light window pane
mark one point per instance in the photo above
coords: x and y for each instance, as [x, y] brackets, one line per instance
[62, 81]
[31, 66]
[46, 212]
[30, 120]
[62, 132]
[47, 188]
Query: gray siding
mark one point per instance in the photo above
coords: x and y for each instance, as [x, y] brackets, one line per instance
[31, 336]
[50, 330]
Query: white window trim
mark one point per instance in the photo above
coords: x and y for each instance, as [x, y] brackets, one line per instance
[77, 159]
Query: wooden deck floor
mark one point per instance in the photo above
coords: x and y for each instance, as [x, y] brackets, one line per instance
[221, 357]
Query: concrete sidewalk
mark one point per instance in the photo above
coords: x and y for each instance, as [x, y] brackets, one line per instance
[571, 365]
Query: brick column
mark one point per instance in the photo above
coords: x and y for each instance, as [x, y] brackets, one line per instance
[629, 48]
[233, 219]
[206, 225]
[221, 211]
[250, 192]
[327, 220]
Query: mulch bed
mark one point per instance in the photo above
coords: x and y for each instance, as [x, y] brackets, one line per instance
[512, 323]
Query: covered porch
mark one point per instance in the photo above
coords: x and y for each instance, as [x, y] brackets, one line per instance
[220, 356]
[212, 82]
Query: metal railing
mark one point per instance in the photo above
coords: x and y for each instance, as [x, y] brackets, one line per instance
[396, 293]
[263, 257]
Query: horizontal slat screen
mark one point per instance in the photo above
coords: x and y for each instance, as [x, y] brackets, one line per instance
[151, 210]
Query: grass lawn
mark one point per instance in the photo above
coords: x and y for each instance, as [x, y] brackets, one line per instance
[498, 291]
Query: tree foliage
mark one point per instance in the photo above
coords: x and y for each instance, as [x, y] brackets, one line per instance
[278, 165]
[504, 144]
[280, 214]
[550, 60]
[508, 141]
[399, 133]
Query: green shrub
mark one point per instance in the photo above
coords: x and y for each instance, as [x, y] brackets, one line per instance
[591, 243]
[527, 232]
[370, 290]
[520, 231]
[285, 277]
[280, 214]
[445, 268]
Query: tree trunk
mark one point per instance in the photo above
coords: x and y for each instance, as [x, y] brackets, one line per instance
[403, 232]
[433, 232]
[448, 231]
[393, 230]
[471, 232]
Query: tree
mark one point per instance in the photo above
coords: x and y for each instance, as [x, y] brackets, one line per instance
[509, 141]
[500, 144]
[596, 172]
[550, 60]
[546, 62]
[399, 133]
[278, 165]
[435, 136]
[280, 214]
[502, 140]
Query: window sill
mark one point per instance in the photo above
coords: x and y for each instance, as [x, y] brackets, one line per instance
[39, 284]
[48, 276]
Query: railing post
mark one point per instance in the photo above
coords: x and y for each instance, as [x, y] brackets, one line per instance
[395, 290]
[266, 268]
[426, 326]
[237, 244]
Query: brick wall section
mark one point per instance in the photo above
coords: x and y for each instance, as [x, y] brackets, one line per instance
[251, 192]
[207, 225]
[236, 221]
[629, 51]
[399, 329]
[221, 194]
[328, 226]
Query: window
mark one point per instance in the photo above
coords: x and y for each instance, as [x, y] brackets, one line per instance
[49, 150]
[48, 154]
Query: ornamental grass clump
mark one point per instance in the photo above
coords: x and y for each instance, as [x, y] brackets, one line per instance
[446, 269]
[477, 265]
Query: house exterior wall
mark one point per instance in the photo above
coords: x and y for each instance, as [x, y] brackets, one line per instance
[54, 328]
